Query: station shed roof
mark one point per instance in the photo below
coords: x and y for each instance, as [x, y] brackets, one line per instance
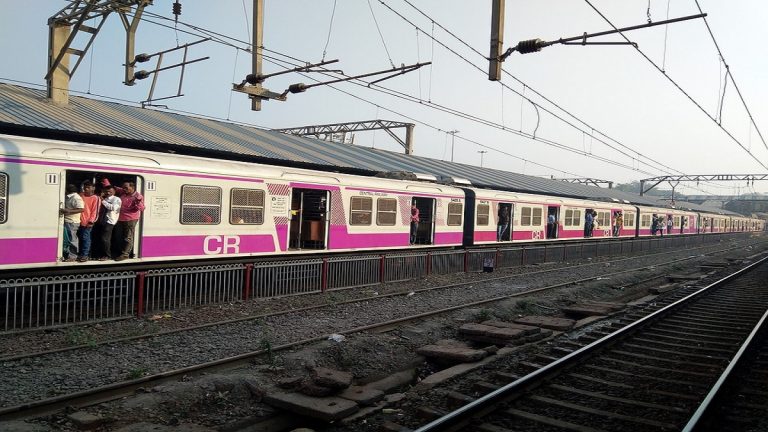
[26, 111]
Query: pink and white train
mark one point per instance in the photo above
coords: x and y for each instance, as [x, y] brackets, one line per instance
[198, 208]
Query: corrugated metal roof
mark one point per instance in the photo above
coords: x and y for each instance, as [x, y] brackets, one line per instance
[27, 107]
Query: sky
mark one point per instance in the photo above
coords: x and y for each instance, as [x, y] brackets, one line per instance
[612, 93]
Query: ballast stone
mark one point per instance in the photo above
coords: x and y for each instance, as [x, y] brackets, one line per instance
[457, 353]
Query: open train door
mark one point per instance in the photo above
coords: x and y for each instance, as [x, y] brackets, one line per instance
[425, 232]
[309, 219]
[553, 228]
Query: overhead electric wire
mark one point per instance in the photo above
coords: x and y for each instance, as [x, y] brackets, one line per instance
[733, 80]
[526, 86]
[216, 37]
[446, 109]
[469, 62]
[679, 87]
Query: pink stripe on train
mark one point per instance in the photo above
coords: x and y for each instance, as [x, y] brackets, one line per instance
[29, 250]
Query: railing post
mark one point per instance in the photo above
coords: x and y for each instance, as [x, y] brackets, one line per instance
[324, 276]
[429, 263]
[546, 250]
[466, 261]
[247, 282]
[382, 263]
[496, 258]
[140, 278]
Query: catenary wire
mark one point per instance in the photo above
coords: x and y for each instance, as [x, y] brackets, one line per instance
[678, 87]
[733, 80]
[548, 100]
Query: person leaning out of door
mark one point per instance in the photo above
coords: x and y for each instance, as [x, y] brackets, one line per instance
[130, 213]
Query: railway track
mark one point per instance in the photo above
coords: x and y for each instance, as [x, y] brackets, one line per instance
[650, 374]
[119, 388]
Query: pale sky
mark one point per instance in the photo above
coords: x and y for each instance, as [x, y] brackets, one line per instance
[611, 88]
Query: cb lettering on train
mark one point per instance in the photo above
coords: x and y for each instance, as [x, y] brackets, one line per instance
[228, 244]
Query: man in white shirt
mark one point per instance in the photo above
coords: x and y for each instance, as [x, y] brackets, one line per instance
[110, 211]
[73, 209]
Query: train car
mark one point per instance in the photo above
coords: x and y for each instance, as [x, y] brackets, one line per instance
[530, 214]
[199, 208]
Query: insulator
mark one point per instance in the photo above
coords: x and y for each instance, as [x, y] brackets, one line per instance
[297, 88]
[177, 8]
[529, 46]
[140, 75]
[253, 79]
[141, 58]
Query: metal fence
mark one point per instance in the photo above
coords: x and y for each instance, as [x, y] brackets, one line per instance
[191, 286]
[404, 266]
[349, 272]
[52, 301]
[281, 278]
[447, 262]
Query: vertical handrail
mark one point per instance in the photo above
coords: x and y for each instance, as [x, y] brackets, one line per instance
[140, 278]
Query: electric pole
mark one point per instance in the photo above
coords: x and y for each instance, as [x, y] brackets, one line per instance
[453, 138]
[482, 153]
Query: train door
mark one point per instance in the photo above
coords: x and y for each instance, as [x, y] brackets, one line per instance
[309, 219]
[78, 180]
[426, 227]
[506, 210]
[552, 228]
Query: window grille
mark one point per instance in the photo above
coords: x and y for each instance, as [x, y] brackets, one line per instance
[536, 218]
[483, 214]
[454, 214]
[246, 206]
[525, 216]
[3, 197]
[200, 205]
[360, 210]
[386, 211]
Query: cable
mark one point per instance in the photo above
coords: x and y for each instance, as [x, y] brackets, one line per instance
[457, 112]
[380, 35]
[220, 36]
[525, 86]
[732, 79]
[678, 87]
[522, 95]
[330, 27]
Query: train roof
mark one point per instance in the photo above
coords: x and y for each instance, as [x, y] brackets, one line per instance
[27, 112]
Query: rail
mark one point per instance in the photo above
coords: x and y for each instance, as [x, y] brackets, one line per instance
[477, 407]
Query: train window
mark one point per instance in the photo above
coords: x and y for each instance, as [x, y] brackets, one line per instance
[525, 216]
[676, 222]
[3, 197]
[246, 206]
[604, 219]
[360, 211]
[572, 218]
[536, 218]
[629, 219]
[386, 211]
[483, 214]
[645, 221]
[200, 205]
[454, 213]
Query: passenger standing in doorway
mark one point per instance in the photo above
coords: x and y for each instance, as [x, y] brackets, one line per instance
[588, 220]
[73, 209]
[132, 204]
[669, 224]
[109, 213]
[551, 225]
[654, 224]
[414, 222]
[618, 224]
[87, 220]
[503, 223]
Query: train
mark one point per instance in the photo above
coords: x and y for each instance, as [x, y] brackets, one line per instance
[201, 208]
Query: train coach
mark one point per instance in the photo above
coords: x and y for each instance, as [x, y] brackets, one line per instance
[199, 208]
